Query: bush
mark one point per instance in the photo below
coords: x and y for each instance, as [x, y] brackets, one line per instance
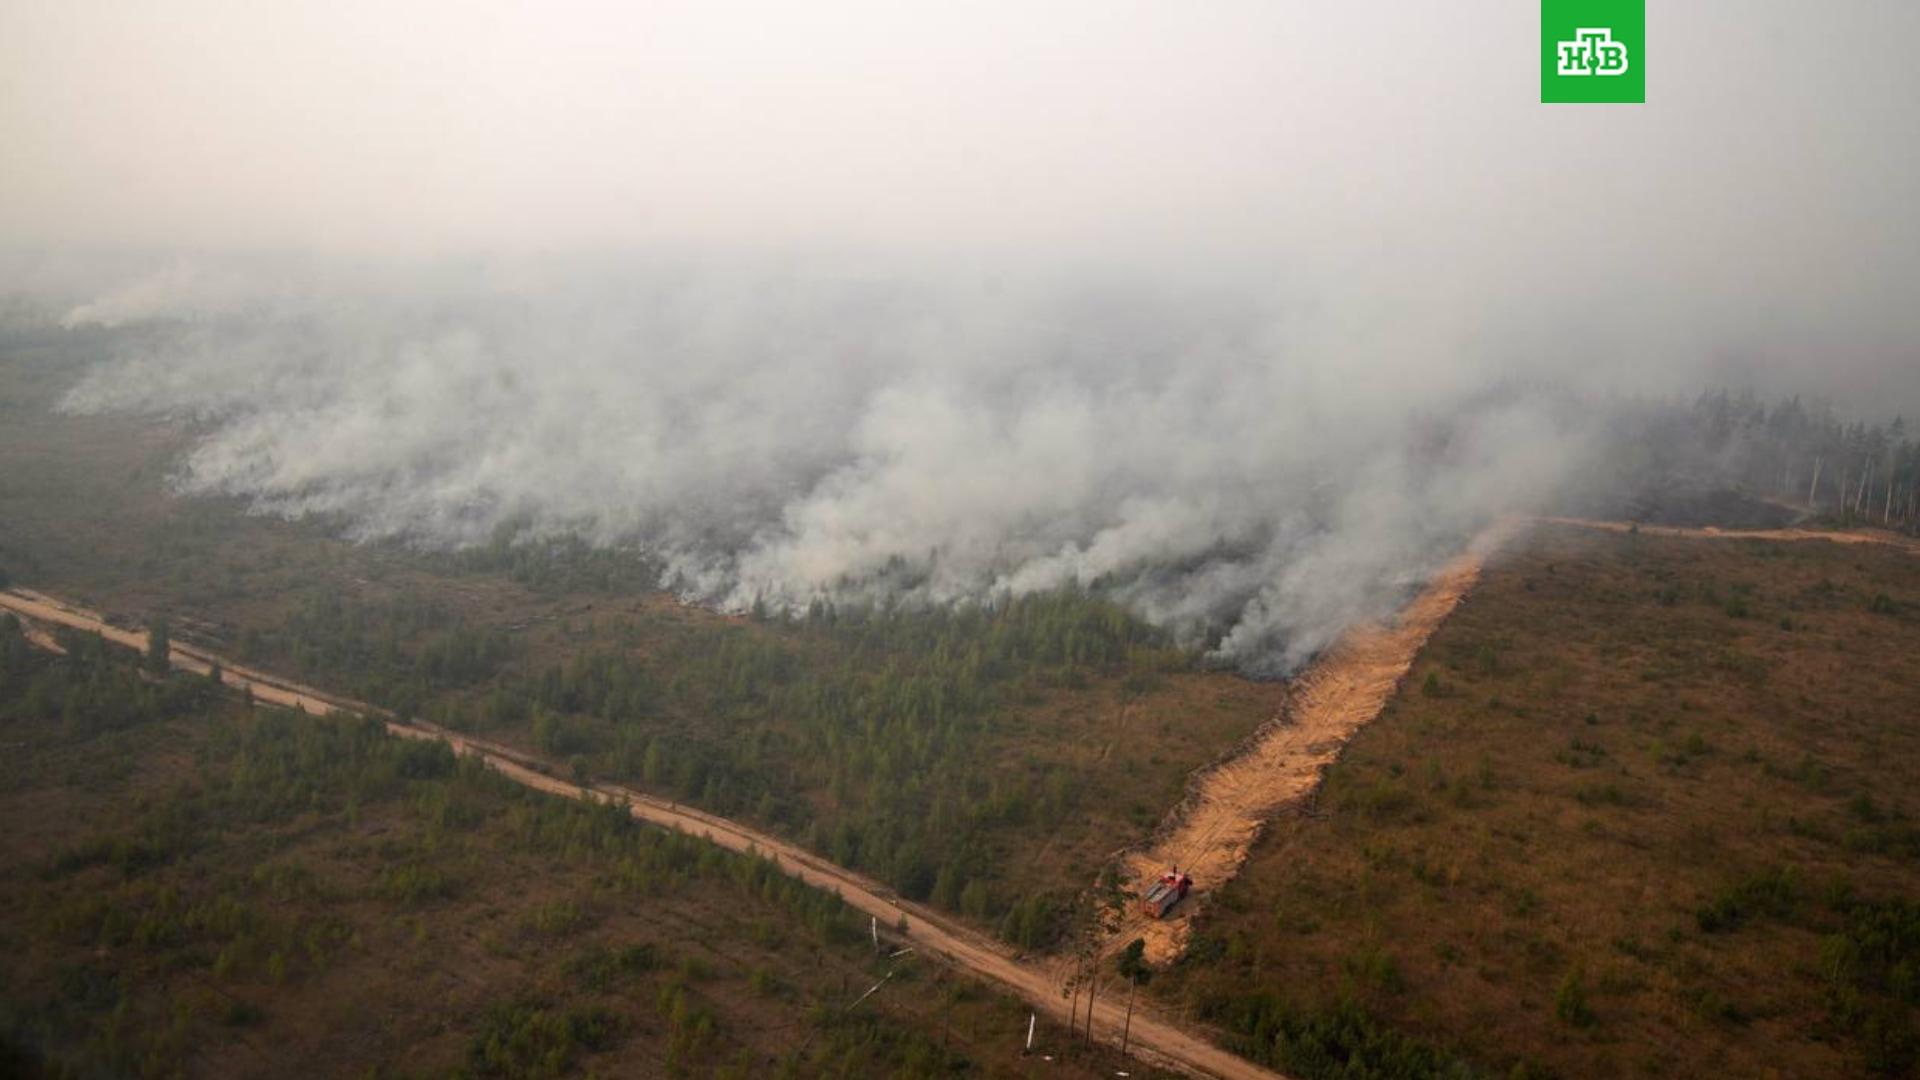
[1383, 801]
[159, 647]
[1773, 893]
[413, 884]
[1873, 971]
[1486, 658]
[1376, 969]
[1344, 1042]
[1133, 963]
[764, 982]
[1570, 1000]
[521, 1040]
[1031, 922]
[1601, 795]
[242, 1013]
[598, 967]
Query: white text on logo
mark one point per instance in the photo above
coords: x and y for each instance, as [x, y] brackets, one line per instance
[1592, 52]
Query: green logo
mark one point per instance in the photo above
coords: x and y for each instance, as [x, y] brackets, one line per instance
[1593, 50]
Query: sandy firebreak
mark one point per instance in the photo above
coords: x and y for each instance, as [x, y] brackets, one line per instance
[1151, 1037]
[1711, 533]
[1228, 805]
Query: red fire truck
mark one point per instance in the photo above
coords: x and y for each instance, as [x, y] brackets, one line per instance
[1164, 893]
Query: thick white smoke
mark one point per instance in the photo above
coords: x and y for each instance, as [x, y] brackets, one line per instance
[781, 433]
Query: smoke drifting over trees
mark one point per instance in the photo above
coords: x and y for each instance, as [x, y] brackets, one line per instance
[785, 436]
[776, 435]
[1244, 315]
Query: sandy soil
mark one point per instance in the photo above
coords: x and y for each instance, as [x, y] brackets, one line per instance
[1153, 1038]
[1711, 533]
[1228, 805]
[38, 637]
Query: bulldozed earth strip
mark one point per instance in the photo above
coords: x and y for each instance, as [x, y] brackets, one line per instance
[1150, 1037]
[1229, 804]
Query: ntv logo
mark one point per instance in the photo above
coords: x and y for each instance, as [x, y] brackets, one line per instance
[1592, 52]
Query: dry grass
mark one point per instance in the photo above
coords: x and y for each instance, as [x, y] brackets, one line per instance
[1612, 732]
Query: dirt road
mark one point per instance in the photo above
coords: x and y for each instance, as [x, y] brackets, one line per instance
[1711, 533]
[1228, 805]
[1153, 1038]
[39, 608]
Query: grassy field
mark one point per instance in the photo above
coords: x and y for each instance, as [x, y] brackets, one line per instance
[196, 888]
[1643, 807]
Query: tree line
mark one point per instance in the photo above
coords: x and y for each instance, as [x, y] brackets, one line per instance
[1806, 454]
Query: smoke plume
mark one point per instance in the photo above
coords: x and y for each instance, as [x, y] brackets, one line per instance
[778, 436]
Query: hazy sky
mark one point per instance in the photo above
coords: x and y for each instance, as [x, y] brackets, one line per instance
[1771, 126]
[1394, 148]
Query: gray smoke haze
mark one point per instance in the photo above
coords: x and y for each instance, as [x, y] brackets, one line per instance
[1246, 313]
[785, 434]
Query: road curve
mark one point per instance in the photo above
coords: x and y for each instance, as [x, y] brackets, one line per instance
[1152, 1037]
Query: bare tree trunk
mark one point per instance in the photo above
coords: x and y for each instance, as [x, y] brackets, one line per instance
[1886, 513]
[1860, 497]
[1814, 487]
